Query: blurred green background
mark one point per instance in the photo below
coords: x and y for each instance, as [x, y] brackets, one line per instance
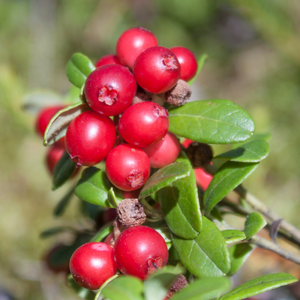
[254, 60]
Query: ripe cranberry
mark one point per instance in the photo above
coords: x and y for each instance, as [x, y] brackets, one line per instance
[163, 152]
[131, 194]
[188, 62]
[109, 59]
[139, 251]
[157, 70]
[203, 178]
[89, 138]
[54, 154]
[132, 43]
[127, 167]
[109, 90]
[143, 124]
[92, 264]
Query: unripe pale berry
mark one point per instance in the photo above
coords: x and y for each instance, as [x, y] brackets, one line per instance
[109, 59]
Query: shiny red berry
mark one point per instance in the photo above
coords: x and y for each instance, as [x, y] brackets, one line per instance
[203, 178]
[89, 138]
[92, 264]
[144, 124]
[109, 59]
[188, 62]
[139, 251]
[132, 43]
[53, 155]
[127, 167]
[157, 70]
[109, 90]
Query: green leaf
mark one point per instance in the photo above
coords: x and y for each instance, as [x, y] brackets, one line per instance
[180, 204]
[63, 171]
[253, 224]
[201, 62]
[164, 177]
[125, 288]
[233, 236]
[259, 285]
[78, 69]
[239, 253]
[80, 291]
[206, 255]
[253, 151]
[157, 286]
[227, 178]
[113, 199]
[99, 293]
[211, 122]
[204, 289]
[63, 203]
[102, 233]
[58, 125]
[94, 186]
[256, 136]
[55, 230]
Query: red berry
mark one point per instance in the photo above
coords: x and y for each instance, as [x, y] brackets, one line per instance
[139, 251]
[92, 264]
[109, 90]
[54, 154]
[89, 138]
[157, 70]
[131, 194]
[163, 152]
[127, 167]
[203, 178]
[144, 124]
[132, 43]
[109, 59]
[188, 62]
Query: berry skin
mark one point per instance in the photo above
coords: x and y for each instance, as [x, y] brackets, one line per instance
[157, 70]
[203, 178]
[89, 138]
[132, 43]
[131, 194]
[109, 59]
[92, 264]
[109, 89]
[54, 154]
[139, 251]
[188, 62]
[127, 167]
[144, 124]
[163, 152]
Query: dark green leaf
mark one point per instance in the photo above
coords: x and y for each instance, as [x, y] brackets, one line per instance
[63, 203]
[239, 253]
[253, 224]
[232, 236]
[63, 171]
[180, 204]
[55, 230]
[80, 291]
[78, 68]
[211, 122]
[253, 151]
[254, 137]
[164, 177]
[259, 285]
[102, 233]
[206, 255]
[58, 125]
[227, 178]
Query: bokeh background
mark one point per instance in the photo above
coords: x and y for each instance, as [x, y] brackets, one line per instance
[254, 60]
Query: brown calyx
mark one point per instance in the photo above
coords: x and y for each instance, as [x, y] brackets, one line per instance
[200, 154]
[179, 94]
[141, 96]
[178, 284]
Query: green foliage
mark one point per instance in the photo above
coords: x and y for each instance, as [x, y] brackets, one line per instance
[202, 59]
[233, 236]
[253, 224]
[63, 203]
[102, 233]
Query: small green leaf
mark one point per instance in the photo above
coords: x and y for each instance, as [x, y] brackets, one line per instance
[102, 233]
[206, 255]
[99, 293]
[253, 224]
[201, 62]
[211, 122]
[78, 69]
[125, 288]
[94, 186]
[63, 171]
[239, 253]
[253, 151]
[80, 291]
[227, 178]
[259, 285]
[204, 289]
[55, 230]
[63, 203]
[113, 199]
[164, 177]
[233, 236]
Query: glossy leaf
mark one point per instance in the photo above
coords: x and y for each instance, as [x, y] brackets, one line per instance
[102, 233]
[99, 295]
[63, 203]
[164, 177]
[206, 255]
[58, 125]
[113, 199]
[211, 122]
[233, 236]
[201, 62]
[259, 285]
[94, 186]
[80, 291]
[253, 224]
[78, 68]
[227, 178]
[180, 204]
[253, 151]
[256, 136]
[239, 253]
[63, 171]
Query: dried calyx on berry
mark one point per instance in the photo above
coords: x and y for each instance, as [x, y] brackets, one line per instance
[199, 154]
[179, 94]
[141, 96]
